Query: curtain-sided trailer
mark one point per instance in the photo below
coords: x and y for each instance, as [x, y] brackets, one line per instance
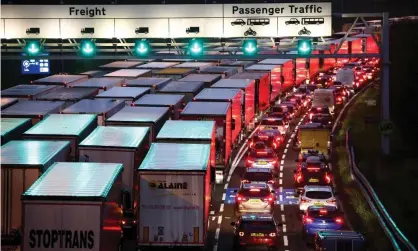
[102, 108]
[221, 113]
[22, 162]
[73, 206]
[35, 110]
[174, 197]
[129, 95]
[175, 102]
[233, 96]
[13, 128]
[27, 92]
[149, 117]
[69, 127]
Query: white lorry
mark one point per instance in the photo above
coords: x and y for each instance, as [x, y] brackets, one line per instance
[73, 206]
[174, 195]
[324, 97]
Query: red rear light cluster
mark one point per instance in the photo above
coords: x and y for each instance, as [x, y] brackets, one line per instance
[304, 200]
[299, 178]
[327, 178]
[307, 219]
[332, 201]
[269, 198]
[272, 234]
[249, 162]
[241, 198]
[241, 234]
[339, 220]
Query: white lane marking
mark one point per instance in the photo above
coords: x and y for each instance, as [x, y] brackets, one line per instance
[217, 233]
[284, 228]
[226, 186]
[285, 150]
[281, 197]
[213, 218]
[215, 247]
[283, 218]
[221, 208]
[212, 212]
[280, 181]
[281, 168]
[282, 207]
[223, 196]
[241, 150]
[281, 175]
[284, 156]
[229, 178]
[282, 162]
[293, 135]
[285, 241]
[220, 219]
[287, 145]
[290, 140]
[281, 189]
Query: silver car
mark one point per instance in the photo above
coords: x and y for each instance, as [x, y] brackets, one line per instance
[254, 197]
[317, 196]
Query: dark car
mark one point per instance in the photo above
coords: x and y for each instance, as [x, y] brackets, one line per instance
[266, 158]
[256, 229]
[313, 171]
[318, 110]
[318, 218]
[323, 119]
[271, 138]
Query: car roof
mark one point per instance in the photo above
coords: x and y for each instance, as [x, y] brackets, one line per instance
[251, 185]
[318, 188]
[258, 170]
[256, 217]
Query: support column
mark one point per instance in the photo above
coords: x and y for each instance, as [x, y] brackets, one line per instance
[384, 50]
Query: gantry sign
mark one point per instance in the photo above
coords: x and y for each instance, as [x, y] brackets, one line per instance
[166, 21]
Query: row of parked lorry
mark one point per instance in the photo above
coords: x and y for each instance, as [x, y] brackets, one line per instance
[136, 150]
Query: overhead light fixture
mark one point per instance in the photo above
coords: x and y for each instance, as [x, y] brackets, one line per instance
[142, 47]
[249, 47]
[87, 30]
[33, 30]
[87, 48]
[33, 48]
[195, 47]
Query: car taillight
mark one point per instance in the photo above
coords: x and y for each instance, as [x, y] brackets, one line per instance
[272, 234]
[251, 144]
[307, 220]
[269, 198]
[241, 233]
[279, 138]
[339, 220]
[271, 182]
[299, 178]
[250, 161]
[245, 181]
[310, 115]
[327, 178]
[339, 98]
[123, 222]
[303, 200]
[332, 201]
[274, 145]
[273, 162]
[241, 198]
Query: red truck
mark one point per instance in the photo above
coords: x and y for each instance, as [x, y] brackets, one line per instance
[287, 76]
[262, 88]
[233, 96]
[221, 113]
[247, 86]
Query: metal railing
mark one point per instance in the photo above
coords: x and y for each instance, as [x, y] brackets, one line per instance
[397, 238]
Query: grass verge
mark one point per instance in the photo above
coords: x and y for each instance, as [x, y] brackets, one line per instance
[355, 205]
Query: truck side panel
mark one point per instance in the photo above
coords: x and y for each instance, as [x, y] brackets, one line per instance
[264, 92]
[250, 104]
[276, 84]
[288, 76]
[237, 116]
[62, 227]
[171, 210]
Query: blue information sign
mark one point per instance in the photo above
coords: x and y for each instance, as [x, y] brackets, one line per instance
[35, 66]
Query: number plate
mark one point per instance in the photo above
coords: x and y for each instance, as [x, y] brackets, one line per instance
[262, 162]
[257, 234]
[254, 201]
[318, 204]
[313, 180]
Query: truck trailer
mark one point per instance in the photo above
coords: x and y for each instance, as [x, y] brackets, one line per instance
[130, 73]
[174, 197]
[262, 89]
[285, 73]
[224, 71]
[129, 95]
[35, 110]
[69, 127]
[113, 144]
[60, 79]
[208, 79]
[103, 84]
[7, 102]
[69, 96]
[94, 74]
[235, 98]
[188, 89]
[104, 109]
[157, 66]
[154, 84]
[221, 113]
[73, 206]
[247, 86]
[118, 65]
[314, 136]
[22, 162]
[27, 92]
[195, 65]
[174, 73]
[174, 102]
[273, 72]
[240, 65]
[13, 128]
[149, 117]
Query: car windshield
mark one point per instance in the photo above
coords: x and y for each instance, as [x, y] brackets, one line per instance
[262, 154]
[318, 195]
[255, 192]
[277, 114]
[272, 122]
[320, 110]
[258, 176]
[260, 145]
[277, 109]
[258, 225]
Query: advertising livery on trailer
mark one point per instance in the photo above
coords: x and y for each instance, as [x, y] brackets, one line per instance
[221, 113]
[174, 197]
[73, 206]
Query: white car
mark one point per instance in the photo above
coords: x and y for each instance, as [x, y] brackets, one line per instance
[275, 123]
[317, 196]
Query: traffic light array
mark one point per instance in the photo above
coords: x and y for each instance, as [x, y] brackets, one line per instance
[142, 48]
[87, 48]
[195, 48]
[304, 47]
[33, 48]
[249, 47]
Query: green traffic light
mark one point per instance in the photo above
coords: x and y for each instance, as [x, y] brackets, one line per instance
[33, 48]
[249, 47]
[87, 48]
[142, 48]
[195, 47]
[304, 47]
